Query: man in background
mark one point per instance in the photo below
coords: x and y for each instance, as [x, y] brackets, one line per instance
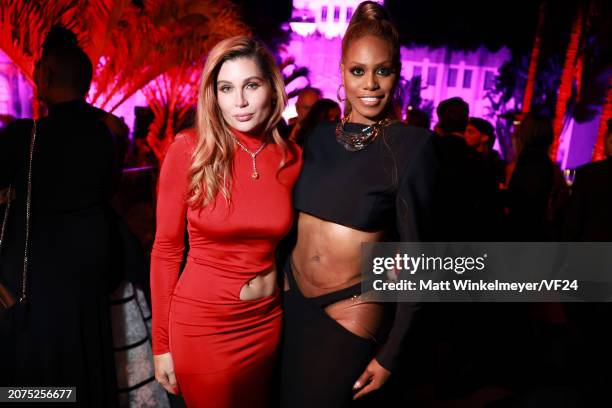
[589, 214]
[480, 134]
[305, 101]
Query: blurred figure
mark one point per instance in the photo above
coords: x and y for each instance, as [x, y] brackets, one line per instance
[437, 129]
[465, 210]
[305, 101]
[61, 333]
[120, 132]
[589, 219]
[480, 134]
[6, 120]
[465, 192]
[418, 118]
[453, 117]
[537, 191]
[589, 214]
[324, 110]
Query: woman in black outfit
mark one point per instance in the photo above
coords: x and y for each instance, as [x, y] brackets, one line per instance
[366, 179]
[60, 335]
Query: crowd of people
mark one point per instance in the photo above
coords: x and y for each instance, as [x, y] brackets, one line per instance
[255, 269]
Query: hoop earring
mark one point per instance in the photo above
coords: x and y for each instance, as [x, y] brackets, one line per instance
[340, 99]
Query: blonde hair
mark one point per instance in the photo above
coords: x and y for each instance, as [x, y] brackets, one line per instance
[212, 160]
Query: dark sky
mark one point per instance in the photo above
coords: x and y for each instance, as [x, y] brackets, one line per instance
[466, 24]
[460, 24]
[463, 24]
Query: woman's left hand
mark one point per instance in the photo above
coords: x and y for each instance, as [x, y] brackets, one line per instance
[372, 379]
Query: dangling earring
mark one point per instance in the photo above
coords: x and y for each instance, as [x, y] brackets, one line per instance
[340, 99]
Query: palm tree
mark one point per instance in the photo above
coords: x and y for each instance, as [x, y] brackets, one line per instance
[588, 59]
[23, 25]
[594, 71]
[533, 60]
[170, 96]
[173, 94]
[129, 45]
[567, 78]
[170, 34]
[606, 113]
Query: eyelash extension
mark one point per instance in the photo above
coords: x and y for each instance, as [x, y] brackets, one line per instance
[389, 71]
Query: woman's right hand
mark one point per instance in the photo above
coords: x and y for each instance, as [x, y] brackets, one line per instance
[164, 372]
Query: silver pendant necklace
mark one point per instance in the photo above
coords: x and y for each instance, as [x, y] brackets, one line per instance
[255, 174]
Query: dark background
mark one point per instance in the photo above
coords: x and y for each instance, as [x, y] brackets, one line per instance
[459, 25]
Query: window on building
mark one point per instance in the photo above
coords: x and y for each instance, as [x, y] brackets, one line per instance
[336, 14]
[489, 82]
[416, 71]
[467, 78]
[452, 78]
[324, 13]
[349, 13]
[432, 76]
[5, 95]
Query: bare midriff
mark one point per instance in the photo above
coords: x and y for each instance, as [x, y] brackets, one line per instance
[326, 259]
[262, 285]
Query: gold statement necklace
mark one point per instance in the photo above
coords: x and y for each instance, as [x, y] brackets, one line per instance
[255, 174]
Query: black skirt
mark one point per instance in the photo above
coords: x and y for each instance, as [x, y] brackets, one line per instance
[321, 359]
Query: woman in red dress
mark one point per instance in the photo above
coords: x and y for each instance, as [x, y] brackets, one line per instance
[216, 330]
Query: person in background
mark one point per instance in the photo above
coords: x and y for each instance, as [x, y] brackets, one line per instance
[305, 101]
[324, 110]
[537, 192]
[589, 219]
[61, 333]
[463, 204]
[418, 118]
[466, 209]
[589, 215]
[480, 134]
[6, 120]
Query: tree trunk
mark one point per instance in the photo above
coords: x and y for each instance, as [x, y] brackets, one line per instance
[567, 78]
[606, 113]
[533, 60]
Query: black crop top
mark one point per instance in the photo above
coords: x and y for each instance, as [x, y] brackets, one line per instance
[386, 186]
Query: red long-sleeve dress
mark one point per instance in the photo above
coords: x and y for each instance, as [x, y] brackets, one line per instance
[224, 349]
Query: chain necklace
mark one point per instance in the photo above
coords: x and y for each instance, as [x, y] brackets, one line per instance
[24, 273]
[253, 155]
[355, 141]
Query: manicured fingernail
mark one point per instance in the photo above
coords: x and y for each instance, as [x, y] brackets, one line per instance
[357, 385]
